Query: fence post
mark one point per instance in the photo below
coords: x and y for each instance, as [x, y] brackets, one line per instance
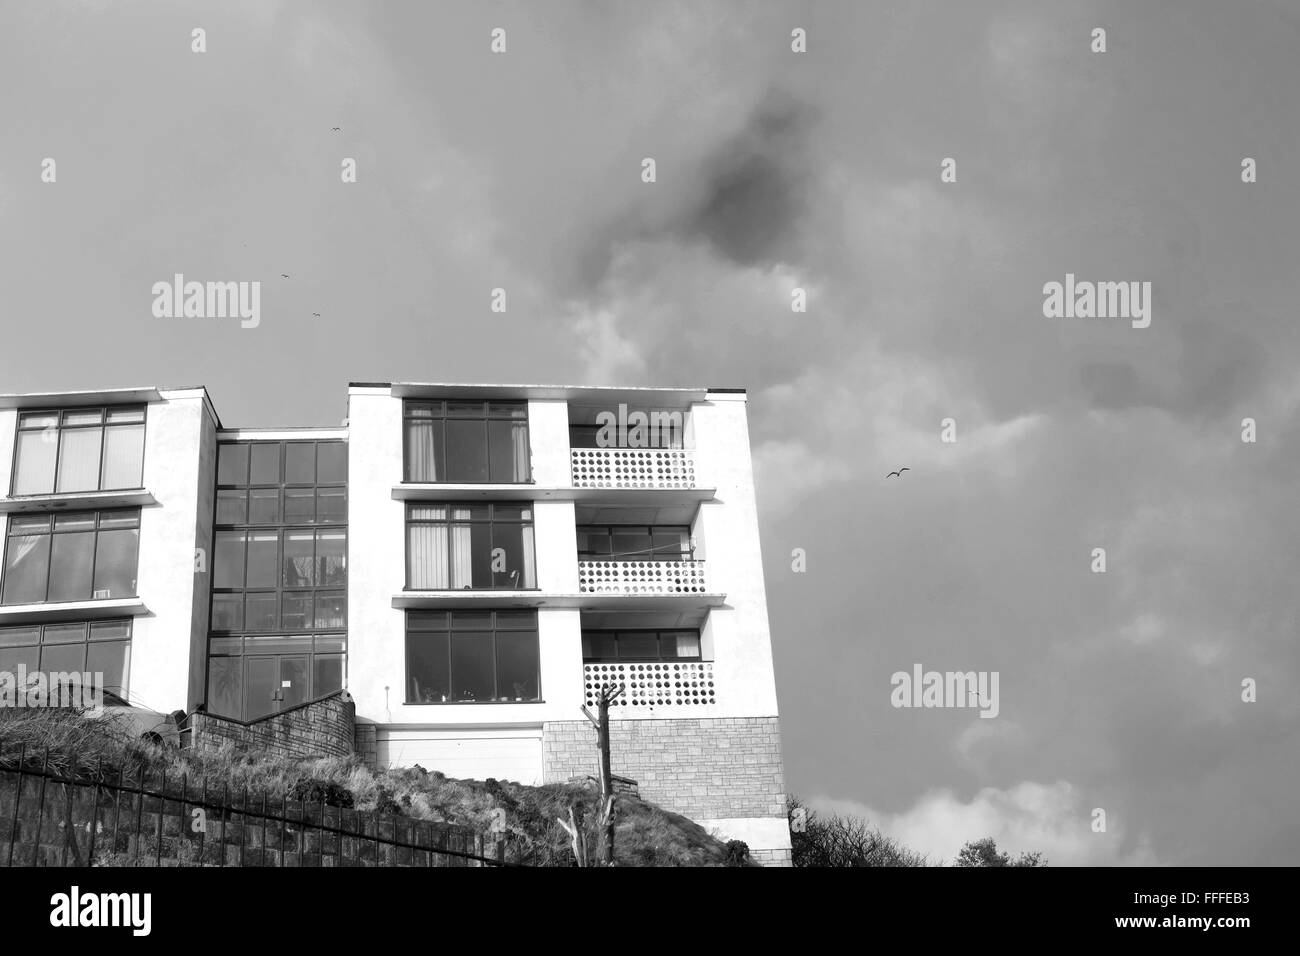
[162, 809]
[18, 795]
[225, 820]
[40, 808]
[94, 817]
[139, 814]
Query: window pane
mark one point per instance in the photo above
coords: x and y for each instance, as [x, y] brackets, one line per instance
[114, 519]
[507, 450]
[225, 685]
[680, 644]
[126, 414]
[471, 667]
[111, 660]
[631, 544]
[83, 416]
[115, 563]
[64, 634]
[517, 620]
[331, 610]
[110, 630]
[265, 463]
[35, 467]
[466, 409]
[466, 451]
[27, 560]
[226, 646]
[328, 675]
[72, 557]
[263, 559]
[426, 667]
[331, 643]
[11, 658]
[228, 561]
[80, 521]
[472, 541]
[517, 665]
[638, 646]
[260, 612]
[599, 646]
[331, 462]
[331, 558]
[293, 681]
[295, 613]
[232, 507]
[11, 636]
[299, 505]
[232, 465]
[512, 556]
[227, 612]
[471, 621]
[423, 450]
[79, 459]
[123, 457]
[299, 463]
[264, 506]
[670, 544]
[331, 505]
[63, 657]
[298, 570]
[278, 644]
[38, 420]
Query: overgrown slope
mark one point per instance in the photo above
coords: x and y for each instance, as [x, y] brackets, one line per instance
[645, 834]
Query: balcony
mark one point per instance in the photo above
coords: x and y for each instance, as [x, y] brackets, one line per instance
[641, 577]
[664, 469]
[654, 684]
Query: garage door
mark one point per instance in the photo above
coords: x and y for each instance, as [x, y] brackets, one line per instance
[504, 754]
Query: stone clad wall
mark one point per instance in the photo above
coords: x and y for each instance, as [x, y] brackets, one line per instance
[319, 728]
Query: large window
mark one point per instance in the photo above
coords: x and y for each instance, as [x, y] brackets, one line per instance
[279, 576]
[629, 542]
[471, 657]
[81, 556]
[466, 442]
[260, 674]
[79, 449]
[97, 647]
[457, 546]
[640, 645]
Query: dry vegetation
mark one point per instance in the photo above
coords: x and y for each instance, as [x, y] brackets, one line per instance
[88, 749]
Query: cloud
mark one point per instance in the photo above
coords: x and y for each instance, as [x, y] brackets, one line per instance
[1052, 818]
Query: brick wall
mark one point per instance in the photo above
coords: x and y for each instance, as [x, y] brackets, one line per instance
[319, 728]
[701, 768]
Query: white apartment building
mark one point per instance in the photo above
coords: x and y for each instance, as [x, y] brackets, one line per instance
[471, 562]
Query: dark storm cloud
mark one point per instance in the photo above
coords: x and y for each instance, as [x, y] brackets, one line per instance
[756, 187]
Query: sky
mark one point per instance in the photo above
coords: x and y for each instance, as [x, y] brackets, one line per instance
[775, 170]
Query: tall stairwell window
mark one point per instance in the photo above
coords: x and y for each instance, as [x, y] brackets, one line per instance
[466, 442]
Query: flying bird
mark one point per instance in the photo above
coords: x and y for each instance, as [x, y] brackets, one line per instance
[897, 474]
[317, 314]
[335, 129]
[283, 276]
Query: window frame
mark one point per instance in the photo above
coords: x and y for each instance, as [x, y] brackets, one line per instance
[659, 633]
[85, 643]
[491, 521]
[52, 532]
[450, 630]
[60, 412]
[610, 529]
[281, 527]
[439, 405]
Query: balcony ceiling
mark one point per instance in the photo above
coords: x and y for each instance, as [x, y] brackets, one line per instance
[678, 514]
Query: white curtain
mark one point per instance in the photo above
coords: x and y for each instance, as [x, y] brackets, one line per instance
[79, 459]
[123, 455]
[427, 546]
[519, 435]
[421, 451]
[530, 563]
[462, 563]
